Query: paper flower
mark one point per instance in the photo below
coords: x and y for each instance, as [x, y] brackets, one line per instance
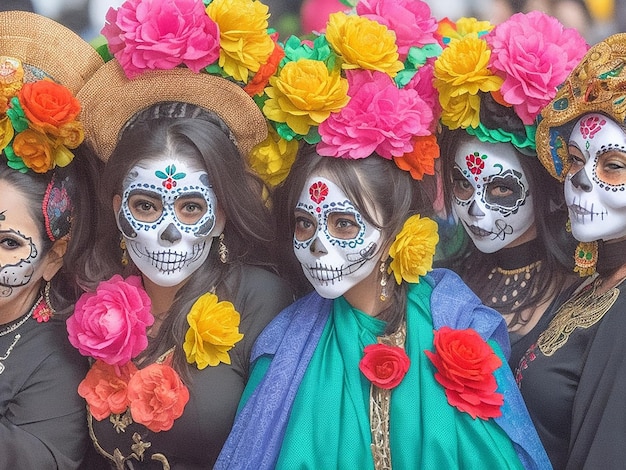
[245, 44]
[533, 53]
[157, 397]
[413, 249]
[213, 331]
[385, 366]
[421, 160]
[380, 117]
[110, 324]
[272, 158]
[465, 365]
[105, 388]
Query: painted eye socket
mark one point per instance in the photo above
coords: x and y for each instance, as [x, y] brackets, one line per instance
[14, 247]
[145, 208]
[190, 209]
[506, 191]
[611, 167]
[306, 226]
[343, 225]
[461, 187]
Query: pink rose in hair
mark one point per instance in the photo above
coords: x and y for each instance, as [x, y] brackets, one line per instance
[110, 323]
[411, 21]
[380, 118]
[161, 34]
[533, 53]
[423, 83]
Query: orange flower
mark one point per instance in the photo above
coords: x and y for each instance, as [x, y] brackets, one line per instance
[262, 77]
[48, 105]
[157, 397]
[72, 134]
[34, 149]
[105, 388]
[421, 161]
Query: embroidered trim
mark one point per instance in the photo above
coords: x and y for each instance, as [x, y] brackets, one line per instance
[582, 311]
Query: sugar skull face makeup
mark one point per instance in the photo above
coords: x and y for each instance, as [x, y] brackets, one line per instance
[20, 244]
[334, 243]
[491, 196]
[595, 187]
[167, 216]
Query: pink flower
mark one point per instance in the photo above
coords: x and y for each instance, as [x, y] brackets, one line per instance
[110, 323]
[411, 21]
[161, 34]
[379, 118]
[423, 83]
[533, 53]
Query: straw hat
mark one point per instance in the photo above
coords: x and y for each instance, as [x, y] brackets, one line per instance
[110, 99]
[47, 48]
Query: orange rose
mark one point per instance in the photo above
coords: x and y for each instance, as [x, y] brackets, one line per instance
[48, 105]
[421, 161]
[465, 364]
[157, 397]
[34, 149]
[262, 77]
[105, 390]
[72, 134]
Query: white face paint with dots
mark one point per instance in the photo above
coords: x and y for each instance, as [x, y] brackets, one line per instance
[491, 195]
[167, 215]
[595, 186]
[334, 243]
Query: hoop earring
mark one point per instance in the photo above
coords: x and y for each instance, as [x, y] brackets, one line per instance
[124, 252]
[384, 277]
[44, 311]
[222, 249]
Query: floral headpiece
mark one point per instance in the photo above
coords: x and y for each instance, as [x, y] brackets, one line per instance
[596, 85]
[363, 87]
[494, 81]
[42, 66]
[215, 55]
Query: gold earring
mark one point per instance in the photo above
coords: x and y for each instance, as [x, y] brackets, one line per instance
[586, 257]
[222, 249]
[124, 252]
[383, 281]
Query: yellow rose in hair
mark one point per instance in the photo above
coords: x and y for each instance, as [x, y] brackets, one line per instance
[34, 149]
[304, 94]
[72, 134]
[6, 132]
[245, 44]
[413, 249]
[363, 43]
[213, 331]
[272, 158]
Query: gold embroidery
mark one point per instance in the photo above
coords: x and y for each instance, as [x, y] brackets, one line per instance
[121, 422]
[139, 447]
[161, 458]
[380, 401]
[582, 311]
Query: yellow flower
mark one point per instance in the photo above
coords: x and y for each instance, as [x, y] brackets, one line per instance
[35, 150]
[62, 156]
[304, 94]
[413, 249]
[213, 331]
[71, 134]
[244, 41]
[272, 158]
[464, 27]
[363, 43]
[461, 72]
[6, 132]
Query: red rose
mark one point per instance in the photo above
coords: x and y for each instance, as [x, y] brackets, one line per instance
[465, 364]
[384, 366]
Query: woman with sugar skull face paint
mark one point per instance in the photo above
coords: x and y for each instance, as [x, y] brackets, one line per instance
[356, 373]
[46, 179]
[183, 272]
[573, 377]
[518, 257]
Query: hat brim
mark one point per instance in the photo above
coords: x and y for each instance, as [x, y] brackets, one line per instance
[110, 99]
[49, 47]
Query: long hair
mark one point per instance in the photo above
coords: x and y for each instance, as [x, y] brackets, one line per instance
[384, 195]
[556, 245]
[81, 176]
[248, 234]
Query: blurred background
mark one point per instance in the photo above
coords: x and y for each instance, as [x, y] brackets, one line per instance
[595, 19]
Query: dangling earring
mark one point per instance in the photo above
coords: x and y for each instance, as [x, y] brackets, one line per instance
[44, 311]
[586, 257]
[383, 281]
[124, 252]
[222, 249]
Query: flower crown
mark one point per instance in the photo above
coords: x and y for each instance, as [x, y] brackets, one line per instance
[38, 125]
[494, 81]
[362, 87]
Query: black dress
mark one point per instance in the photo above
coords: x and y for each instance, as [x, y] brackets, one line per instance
[42, 418]
[197, 437]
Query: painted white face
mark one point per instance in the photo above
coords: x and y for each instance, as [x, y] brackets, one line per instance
[490, 194]
[334, 243]
[20, 242]
[595, 187]
[167, 216]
